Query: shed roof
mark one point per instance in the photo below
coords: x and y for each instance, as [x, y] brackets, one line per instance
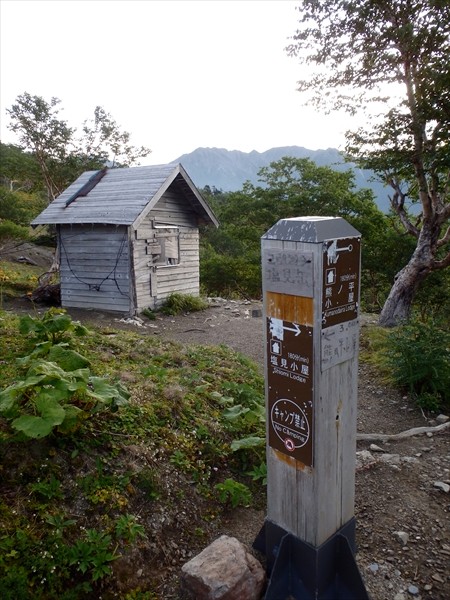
[123, 197]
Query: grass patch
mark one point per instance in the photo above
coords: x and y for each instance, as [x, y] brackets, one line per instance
[17, 279]
[178, 303]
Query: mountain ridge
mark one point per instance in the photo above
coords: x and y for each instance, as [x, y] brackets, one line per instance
[228, 170]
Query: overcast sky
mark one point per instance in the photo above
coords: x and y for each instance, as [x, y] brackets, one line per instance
[177, 75]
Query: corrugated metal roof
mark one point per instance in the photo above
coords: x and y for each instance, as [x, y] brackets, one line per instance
[121, 197]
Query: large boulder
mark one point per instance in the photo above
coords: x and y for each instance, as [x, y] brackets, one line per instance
[225, 570]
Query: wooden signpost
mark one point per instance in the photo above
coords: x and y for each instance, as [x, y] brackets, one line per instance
[311, 280]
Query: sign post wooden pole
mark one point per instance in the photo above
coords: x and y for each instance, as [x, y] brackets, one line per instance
[311, 279]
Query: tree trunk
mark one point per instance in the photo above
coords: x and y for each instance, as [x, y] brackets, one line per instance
[397, 307]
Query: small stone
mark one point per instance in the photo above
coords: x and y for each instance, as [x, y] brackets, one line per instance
[409, 459]
[442, 419]
[437, 578]
[399, 596]
[374, 568]
[392, 459]
[427, 587]
[445, 487]
[402, 537]
[363, 458]
[375, 448]
[413, 590]
[429, 434]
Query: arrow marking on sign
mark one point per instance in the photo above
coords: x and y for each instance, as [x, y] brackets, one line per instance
[296, 329]
[327, 334]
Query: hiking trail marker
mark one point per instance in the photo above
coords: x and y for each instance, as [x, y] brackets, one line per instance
[311, 282]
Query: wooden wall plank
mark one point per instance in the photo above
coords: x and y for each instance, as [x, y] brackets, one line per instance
[93, 258]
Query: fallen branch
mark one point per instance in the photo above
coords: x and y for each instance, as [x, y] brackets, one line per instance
[387, 437]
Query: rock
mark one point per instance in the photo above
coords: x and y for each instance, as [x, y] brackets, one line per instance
[413, 590]
[364, 458]
[445, 487]
[225, 570]
[27, 260]
[402, 536]
[132, 321]
[399, 596]
[375, 448]
[442, 419]
[256, 312]
[437, 578]
[373, 568]
[392, 459]
[409, 459]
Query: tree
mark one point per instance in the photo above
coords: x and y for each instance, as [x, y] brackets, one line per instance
[104, 141]
[61, 156]
[41, 131]
[290, 187]
[18, 169]
[392, 55]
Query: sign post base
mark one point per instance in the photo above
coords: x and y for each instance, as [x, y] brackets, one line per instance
[298, 571]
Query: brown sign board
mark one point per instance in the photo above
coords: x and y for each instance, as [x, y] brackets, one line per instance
[290, 389]
[341, 274]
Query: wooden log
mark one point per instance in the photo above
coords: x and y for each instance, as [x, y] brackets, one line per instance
[395, 437]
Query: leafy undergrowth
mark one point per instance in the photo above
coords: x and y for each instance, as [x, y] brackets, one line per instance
[415, 358]
[111, 505]
[17, 279]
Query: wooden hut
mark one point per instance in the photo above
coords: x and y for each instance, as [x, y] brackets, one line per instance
[128, 238]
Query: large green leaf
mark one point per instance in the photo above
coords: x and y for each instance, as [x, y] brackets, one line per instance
[106, 393]
[8, 402]
[67, 359]
[49, 369]
[33, 427]
[52, 414]
[27, 324]
[248, 442]
[74, 416]
[58, 323]
[235, 412]
[50, 409]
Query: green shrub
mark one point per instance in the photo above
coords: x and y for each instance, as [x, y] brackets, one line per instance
[11, 231]
[178, 303]
[417, 355]
[233, 493]
[57, 391]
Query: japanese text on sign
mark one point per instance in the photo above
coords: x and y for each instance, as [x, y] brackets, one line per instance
[288, 271]
[290, 355]
[340, 281]
[339, 343]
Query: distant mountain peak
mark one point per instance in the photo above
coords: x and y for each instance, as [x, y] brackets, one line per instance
[228, 170]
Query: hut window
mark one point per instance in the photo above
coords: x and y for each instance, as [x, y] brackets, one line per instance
[168, 238]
